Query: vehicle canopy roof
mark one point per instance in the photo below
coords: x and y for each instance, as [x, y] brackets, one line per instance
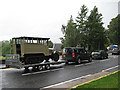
[31, 38]
[74, 47]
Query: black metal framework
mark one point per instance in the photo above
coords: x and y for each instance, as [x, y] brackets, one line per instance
[20, 40]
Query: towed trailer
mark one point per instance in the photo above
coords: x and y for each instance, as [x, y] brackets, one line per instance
[13, 61]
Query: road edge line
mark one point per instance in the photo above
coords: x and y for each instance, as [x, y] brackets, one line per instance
[95, 79]
[65, 82]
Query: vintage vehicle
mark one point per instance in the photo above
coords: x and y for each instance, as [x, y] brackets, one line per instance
[101, 54]
[115, 51]
[30, 51]
[75, 54]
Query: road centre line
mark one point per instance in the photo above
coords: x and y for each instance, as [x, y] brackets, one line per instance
[104, 60]
[89, 63]
[83, 64]
[110, 68]
[41, 72]
[66, 81]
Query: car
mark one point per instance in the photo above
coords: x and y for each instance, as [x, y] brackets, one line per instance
[101, 54]
[115, 51]
[75, 54]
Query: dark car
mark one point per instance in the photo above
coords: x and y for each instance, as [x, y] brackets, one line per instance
[115, 51]
[75, 54]
[101, 54]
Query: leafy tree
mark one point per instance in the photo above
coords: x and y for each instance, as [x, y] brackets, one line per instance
[114, 30]
[6, 47]
[81, 20]
[96, 35]
[69, 34]
[50, 44]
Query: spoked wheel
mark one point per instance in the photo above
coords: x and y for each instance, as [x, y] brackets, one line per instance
[34, 68]
[47, 67]
[39, 68]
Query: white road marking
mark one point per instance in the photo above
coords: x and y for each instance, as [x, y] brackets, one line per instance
[89, 63]
[66, 81]
[83, 64]
[79, 65]
[110, 68]
[41, 72]
[104, 60]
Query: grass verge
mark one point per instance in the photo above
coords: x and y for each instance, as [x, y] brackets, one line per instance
[110, 81]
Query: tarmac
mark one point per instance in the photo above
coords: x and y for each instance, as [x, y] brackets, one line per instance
[80, 81]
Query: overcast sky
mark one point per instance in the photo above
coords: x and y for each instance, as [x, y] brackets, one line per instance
[44, 18]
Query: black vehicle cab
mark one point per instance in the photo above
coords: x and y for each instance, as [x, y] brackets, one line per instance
[75, 54]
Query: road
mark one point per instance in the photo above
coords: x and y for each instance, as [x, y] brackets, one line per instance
[15, 78]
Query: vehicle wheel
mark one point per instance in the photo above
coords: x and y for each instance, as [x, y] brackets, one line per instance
[66, 62]
[26, 69]
[106, 57]
[40, 68]
[102, 57]
[90, 59]
[34, 68]
[55, 56]
[78, 61]
[47, 67]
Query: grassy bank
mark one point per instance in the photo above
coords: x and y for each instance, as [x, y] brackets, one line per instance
[110, 81]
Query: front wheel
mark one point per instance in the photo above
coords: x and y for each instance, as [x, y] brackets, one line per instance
[55, 56]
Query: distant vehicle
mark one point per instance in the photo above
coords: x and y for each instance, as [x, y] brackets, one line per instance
[101, 54]
[75, 54]
[115, 51]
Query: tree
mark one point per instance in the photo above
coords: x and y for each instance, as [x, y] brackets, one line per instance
[69, 34]
[50, 44]
[81, 20]
[114, 30]
[96, 36]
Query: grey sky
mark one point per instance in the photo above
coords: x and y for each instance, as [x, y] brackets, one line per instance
[44, 18]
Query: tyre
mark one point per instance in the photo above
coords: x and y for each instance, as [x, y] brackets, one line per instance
[47, 67]
[34, 68]
[26, 69]
[55, 56]
[66, 62]
[106, 57]
[90, 59]
[102, 57]
[78, 61]
[40, 68]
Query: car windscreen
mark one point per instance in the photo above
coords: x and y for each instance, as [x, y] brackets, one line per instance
[67, 50]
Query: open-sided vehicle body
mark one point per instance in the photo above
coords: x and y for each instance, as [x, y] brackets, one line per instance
[30, 50]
